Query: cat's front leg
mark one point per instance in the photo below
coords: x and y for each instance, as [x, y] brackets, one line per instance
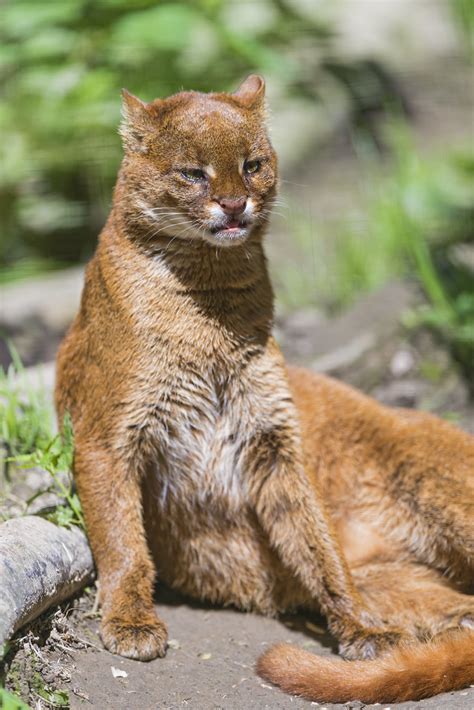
[109, 490]
[293, 514]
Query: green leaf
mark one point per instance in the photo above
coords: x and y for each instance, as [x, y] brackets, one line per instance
[62, 515]
[55, 698]
[9, 701]
[166, 27]
[49, 43]
[22, 18]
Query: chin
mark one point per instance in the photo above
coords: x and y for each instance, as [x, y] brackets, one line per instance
[228, 237]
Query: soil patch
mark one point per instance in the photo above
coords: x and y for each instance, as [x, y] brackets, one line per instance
[209, 664]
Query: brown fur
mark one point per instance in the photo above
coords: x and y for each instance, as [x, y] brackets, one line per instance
[199, 454]
[406, 673]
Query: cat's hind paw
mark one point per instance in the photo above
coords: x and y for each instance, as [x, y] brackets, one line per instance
[372, 644]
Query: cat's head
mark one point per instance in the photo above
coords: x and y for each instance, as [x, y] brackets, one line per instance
[199, 166]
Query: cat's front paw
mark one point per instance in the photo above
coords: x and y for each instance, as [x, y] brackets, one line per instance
[141, 639]
[371, 644]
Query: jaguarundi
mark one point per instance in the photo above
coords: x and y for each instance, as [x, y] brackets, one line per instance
[203, 459]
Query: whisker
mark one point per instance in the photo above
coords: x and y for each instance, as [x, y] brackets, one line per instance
[298, 184]
[158, 217]
[165, 210]
[171, 225]
[161, 229]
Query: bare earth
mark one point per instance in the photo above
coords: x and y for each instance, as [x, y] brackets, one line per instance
[210, 665]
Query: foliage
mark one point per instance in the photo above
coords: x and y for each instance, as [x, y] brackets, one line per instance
[428, 210]
[463, 13]
[419, 222]
[53, 698]
[25, 415]
[56, 456]
[27, 436]
[63, 63]
[445, 268]
[9, 701]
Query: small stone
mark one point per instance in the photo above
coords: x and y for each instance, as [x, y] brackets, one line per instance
[402, 363]
[174, 643]
[204, 656]
[118, 672]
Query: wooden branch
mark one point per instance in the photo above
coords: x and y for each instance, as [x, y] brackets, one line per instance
[41, 564]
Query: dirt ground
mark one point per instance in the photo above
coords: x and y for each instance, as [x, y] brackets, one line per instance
[209, 664]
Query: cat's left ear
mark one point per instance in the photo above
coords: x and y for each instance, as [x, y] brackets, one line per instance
[251, 92]
[137, 122]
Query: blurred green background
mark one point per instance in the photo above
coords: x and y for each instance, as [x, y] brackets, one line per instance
[63, 63]
[344, 79]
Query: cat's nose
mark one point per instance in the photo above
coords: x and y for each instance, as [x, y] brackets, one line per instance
[233, 207]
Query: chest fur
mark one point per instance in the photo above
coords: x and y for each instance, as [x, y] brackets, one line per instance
[201, 437]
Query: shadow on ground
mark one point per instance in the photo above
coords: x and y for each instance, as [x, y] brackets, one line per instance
[210, 664]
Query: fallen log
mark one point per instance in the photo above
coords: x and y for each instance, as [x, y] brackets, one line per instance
[41, 564]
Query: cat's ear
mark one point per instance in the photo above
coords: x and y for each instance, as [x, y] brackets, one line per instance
[251, 92]
[137, 122]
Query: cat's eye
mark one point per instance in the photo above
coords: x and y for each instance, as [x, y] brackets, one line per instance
[193, 174]
[251, 167]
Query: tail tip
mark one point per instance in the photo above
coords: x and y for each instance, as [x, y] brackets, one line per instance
[276, 663]
[272, 664]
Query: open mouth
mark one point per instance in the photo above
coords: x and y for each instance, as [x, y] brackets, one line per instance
[233, 225]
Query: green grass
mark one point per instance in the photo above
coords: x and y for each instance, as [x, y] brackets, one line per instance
[56, 456]
[411, 208]
[26, 418]
[28, 438]
[414, 216]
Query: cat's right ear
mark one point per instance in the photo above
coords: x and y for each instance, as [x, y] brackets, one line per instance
[137, 122]
[251, 92]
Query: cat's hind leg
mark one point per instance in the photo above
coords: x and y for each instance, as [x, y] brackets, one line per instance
[429, 478]
[408, 474]
[418, 599]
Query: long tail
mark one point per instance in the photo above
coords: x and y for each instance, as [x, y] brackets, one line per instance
[406, 673]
